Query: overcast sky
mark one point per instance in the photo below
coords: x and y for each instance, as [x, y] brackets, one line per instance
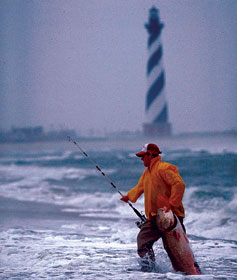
[82, 64]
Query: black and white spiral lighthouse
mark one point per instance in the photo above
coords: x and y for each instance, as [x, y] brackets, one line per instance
[156, 104]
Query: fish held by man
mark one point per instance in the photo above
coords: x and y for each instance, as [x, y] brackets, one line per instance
[176, 243]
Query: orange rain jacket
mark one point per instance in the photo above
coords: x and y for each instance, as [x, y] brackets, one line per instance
[162, 186]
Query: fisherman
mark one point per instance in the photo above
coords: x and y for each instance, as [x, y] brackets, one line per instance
[163, 187]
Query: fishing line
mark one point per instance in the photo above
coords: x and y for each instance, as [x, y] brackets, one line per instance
[140, 215]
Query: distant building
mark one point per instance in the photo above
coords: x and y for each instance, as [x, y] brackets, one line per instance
[156, 105]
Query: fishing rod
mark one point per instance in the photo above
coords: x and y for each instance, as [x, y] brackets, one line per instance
[140, 215]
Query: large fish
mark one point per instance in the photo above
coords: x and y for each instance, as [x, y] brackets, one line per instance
[176, 243]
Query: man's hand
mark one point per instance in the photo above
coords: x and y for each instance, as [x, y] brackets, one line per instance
[166, 209]
[166, 205]
[125, 198]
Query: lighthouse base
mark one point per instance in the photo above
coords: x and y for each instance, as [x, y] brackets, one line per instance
[157, 129]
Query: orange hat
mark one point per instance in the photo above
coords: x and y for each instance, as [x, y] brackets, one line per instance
[149, 148]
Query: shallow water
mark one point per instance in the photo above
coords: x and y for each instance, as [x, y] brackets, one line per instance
[60, 219]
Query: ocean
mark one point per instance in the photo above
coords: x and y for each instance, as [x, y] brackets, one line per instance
[60, 218]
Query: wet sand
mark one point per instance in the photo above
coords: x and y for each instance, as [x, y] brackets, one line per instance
[37, 215]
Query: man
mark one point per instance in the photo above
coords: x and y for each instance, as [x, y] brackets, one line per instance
[163, 187]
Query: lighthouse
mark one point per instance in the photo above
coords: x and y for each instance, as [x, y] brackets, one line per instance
[156, 104]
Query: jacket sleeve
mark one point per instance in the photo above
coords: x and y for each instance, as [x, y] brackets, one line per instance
[177, 184]
[135, 192]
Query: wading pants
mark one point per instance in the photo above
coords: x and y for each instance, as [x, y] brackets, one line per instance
[148, 235]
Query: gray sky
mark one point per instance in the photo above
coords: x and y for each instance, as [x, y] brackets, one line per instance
[82, 64]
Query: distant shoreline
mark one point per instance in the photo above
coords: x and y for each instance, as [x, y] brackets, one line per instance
[37, 135]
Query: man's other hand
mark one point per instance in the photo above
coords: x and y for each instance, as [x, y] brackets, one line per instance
[125, 198]
[166, 209]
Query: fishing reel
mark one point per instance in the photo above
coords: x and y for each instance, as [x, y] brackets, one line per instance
[141, 222]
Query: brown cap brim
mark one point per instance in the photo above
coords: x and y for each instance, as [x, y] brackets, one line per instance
[140, 154]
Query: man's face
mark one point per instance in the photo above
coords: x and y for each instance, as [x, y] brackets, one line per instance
[147, 159]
